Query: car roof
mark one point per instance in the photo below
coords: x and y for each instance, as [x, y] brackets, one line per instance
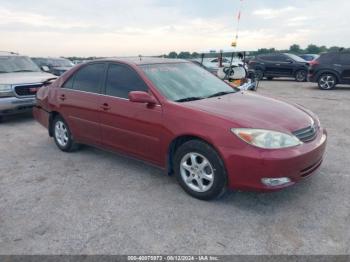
[142, 60]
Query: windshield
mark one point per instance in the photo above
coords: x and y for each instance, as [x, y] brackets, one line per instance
[182, 81]
[53, 62]
[296, 58]
[11, 64]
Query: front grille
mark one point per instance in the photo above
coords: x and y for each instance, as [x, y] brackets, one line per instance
[306, 134]
[27, 90]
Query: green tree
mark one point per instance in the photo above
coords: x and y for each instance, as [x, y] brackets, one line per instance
[184, 55]
[172, 55]
[313, 49]
[334, 49]
[194, 55]
[295, 49]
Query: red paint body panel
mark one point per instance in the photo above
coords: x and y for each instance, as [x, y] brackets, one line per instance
[146, 131]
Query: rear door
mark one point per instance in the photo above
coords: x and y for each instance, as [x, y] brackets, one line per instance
[79, 102]
[344, 65]
[134, 128]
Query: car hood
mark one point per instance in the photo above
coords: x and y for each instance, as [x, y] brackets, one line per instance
[24, 78]
[247, 110]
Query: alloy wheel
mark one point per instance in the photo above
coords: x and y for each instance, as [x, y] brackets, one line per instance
[327, 82]
[61, 134]
[197, 172]
[301, 76]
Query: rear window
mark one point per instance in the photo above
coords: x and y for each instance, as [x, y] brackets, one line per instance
[327, 58]
[344, 59]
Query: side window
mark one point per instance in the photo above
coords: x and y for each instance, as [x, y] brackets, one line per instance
[122, 79]
[89, 78]
[344, 59]
[69, 83]
[282, 58]
[327, 58]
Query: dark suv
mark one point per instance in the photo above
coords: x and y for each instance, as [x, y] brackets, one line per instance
[279, 65]
[330, 69]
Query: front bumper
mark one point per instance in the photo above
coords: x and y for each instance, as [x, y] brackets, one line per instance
[14, 105]
[246, 168]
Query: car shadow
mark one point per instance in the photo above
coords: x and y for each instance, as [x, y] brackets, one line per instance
[245, 200]
[16, 119]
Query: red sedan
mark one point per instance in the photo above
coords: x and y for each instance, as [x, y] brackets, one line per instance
[180, 117]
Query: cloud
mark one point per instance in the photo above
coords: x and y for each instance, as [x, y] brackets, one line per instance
[269, 13]
[119, 27]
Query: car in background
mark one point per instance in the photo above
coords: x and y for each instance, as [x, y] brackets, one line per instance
[213, 64]
[182, 118]
[309, 57]
[56, 66]
[330, 69]
[20, 79]
[279, 65]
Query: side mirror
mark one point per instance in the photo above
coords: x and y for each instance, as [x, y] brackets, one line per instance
[45, 68]
[142, 97]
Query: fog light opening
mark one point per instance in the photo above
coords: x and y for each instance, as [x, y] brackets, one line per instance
[273, 182]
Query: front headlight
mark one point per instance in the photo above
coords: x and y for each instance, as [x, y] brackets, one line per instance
[266, 139]
[5, 91]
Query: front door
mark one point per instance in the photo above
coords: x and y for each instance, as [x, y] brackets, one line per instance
[134, 128]
[284, 66]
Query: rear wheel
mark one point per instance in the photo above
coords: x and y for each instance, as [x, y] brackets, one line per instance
[327, 81]
[301, 76]
[200, 170]
[259, 74]
[62, 135]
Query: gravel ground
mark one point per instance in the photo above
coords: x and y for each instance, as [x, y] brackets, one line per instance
[95, 202]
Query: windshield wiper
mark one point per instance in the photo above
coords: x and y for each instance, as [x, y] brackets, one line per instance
[24, 70]
[221, 94]
[187, 99]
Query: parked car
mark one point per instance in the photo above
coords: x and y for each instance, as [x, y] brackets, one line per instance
[185, 120]
[309, 57]
[20, 79]
[279, 65]
[56, 66]
[330, 69]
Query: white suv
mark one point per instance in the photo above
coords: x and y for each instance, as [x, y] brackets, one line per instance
[20, 78]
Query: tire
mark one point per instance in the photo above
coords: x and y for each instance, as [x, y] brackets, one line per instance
[301, 76]
[62, 135]
[270, 78]
[202, 181]
[327, 81]
[259, 74]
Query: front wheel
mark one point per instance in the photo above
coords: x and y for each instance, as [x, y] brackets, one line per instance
[62, 135]
[200, 170]
[259, 75]
[301, 76]
[327, 82]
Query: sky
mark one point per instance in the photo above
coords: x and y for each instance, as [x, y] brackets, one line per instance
[154, 27]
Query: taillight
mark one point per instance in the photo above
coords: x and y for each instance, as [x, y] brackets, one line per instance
[314, 62]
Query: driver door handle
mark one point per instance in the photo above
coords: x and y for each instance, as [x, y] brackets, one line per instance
[105, 107]
[62, 97]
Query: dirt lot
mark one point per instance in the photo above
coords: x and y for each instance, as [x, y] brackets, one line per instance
[94, 202]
